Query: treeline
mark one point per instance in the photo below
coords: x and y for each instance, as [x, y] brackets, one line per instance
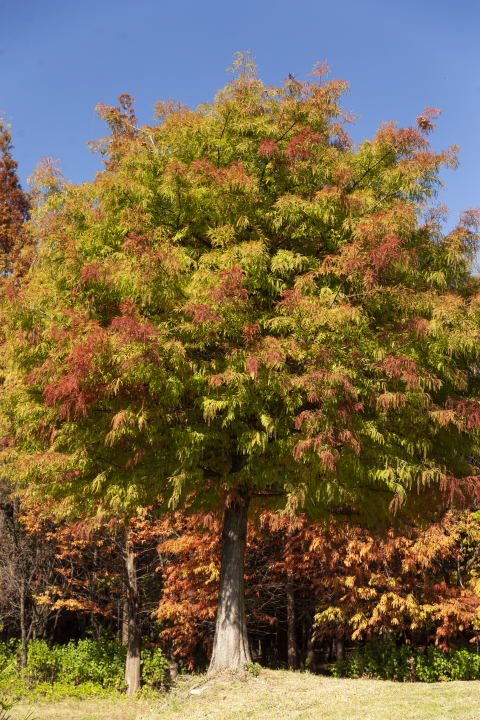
[311, 590]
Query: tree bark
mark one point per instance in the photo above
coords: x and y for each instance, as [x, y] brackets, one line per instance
[230, 646]
[339, 648]
[23, 626]
[172, 663]
[134, 640]
[125, 623]
[311, 665]
[264, 651]
[291, 629]
[120, 621]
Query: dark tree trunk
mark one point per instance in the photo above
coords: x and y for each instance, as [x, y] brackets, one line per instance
[281, 644]
[230, 646]
[125, 623]
[339, 648]
[23, 627]
[291, 629]
[311, 664]
[134, 640]
[265, 642]
[303, 653]
[51, 637]
[119, 626]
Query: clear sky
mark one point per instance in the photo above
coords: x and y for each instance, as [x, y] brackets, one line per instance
[59, 58]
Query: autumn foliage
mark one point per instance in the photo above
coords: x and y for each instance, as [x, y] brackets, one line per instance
[15, 242]
[348, 584]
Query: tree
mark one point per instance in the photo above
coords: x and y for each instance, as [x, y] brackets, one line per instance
[14, 212]
[98, 573]
[246, 308]
[27, 567]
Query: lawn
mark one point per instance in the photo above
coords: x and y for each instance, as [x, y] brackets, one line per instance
[278, 695]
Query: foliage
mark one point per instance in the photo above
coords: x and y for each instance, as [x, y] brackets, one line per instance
[155, 668]
[355, 583]
[69, 574]
[253, 668]
[350, 582]
[244, 297]
[382, 659]
[15, 245]
[79, 668]
[425, 586]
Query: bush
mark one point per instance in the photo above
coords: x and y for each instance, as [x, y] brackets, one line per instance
[155, 668]
[82, 668]
[101, 663]
[380, 658]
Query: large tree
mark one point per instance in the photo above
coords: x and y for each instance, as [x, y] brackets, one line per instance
[245, 306]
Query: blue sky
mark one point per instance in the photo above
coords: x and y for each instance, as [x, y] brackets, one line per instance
[59, 58]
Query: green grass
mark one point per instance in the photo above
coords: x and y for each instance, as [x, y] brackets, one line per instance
[278, 695]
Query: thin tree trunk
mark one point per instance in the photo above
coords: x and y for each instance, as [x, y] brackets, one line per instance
[291, 630]
[339, 648]
[172, 663]
[120, 620]
[132, 665]
[311, 665]
[303, 652]
[125, 623]
[23, 627]
[230, 646]
[52, 632]
[264, 651]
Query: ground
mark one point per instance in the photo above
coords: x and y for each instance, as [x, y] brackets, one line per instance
[278, 695]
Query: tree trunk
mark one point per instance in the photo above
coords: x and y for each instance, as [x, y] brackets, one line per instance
[134, 640]
[125, 623]
[339, 648]
[172, 663]
[311, 665]
[230, 646]
[303, 652]
[119, 626]
[23, 626]
[51, 636]
[265, 643]
[291, 630]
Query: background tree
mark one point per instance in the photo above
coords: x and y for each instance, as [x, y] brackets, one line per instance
[345, 584]
[27, 567]
[14, 212]
[245, 308]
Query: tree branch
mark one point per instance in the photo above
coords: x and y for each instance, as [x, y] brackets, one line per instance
[390, 152]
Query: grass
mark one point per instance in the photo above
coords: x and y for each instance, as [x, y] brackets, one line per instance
[279, 695]
[101, 708]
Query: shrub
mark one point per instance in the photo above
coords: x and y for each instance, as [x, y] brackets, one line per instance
[380, 658]
[82, 668]
[155, 668]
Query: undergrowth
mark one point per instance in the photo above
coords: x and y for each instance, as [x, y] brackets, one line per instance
[79, 669]
[382, 659]
[96, 669]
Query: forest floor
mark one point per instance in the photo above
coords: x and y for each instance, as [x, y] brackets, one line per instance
[277, 695]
